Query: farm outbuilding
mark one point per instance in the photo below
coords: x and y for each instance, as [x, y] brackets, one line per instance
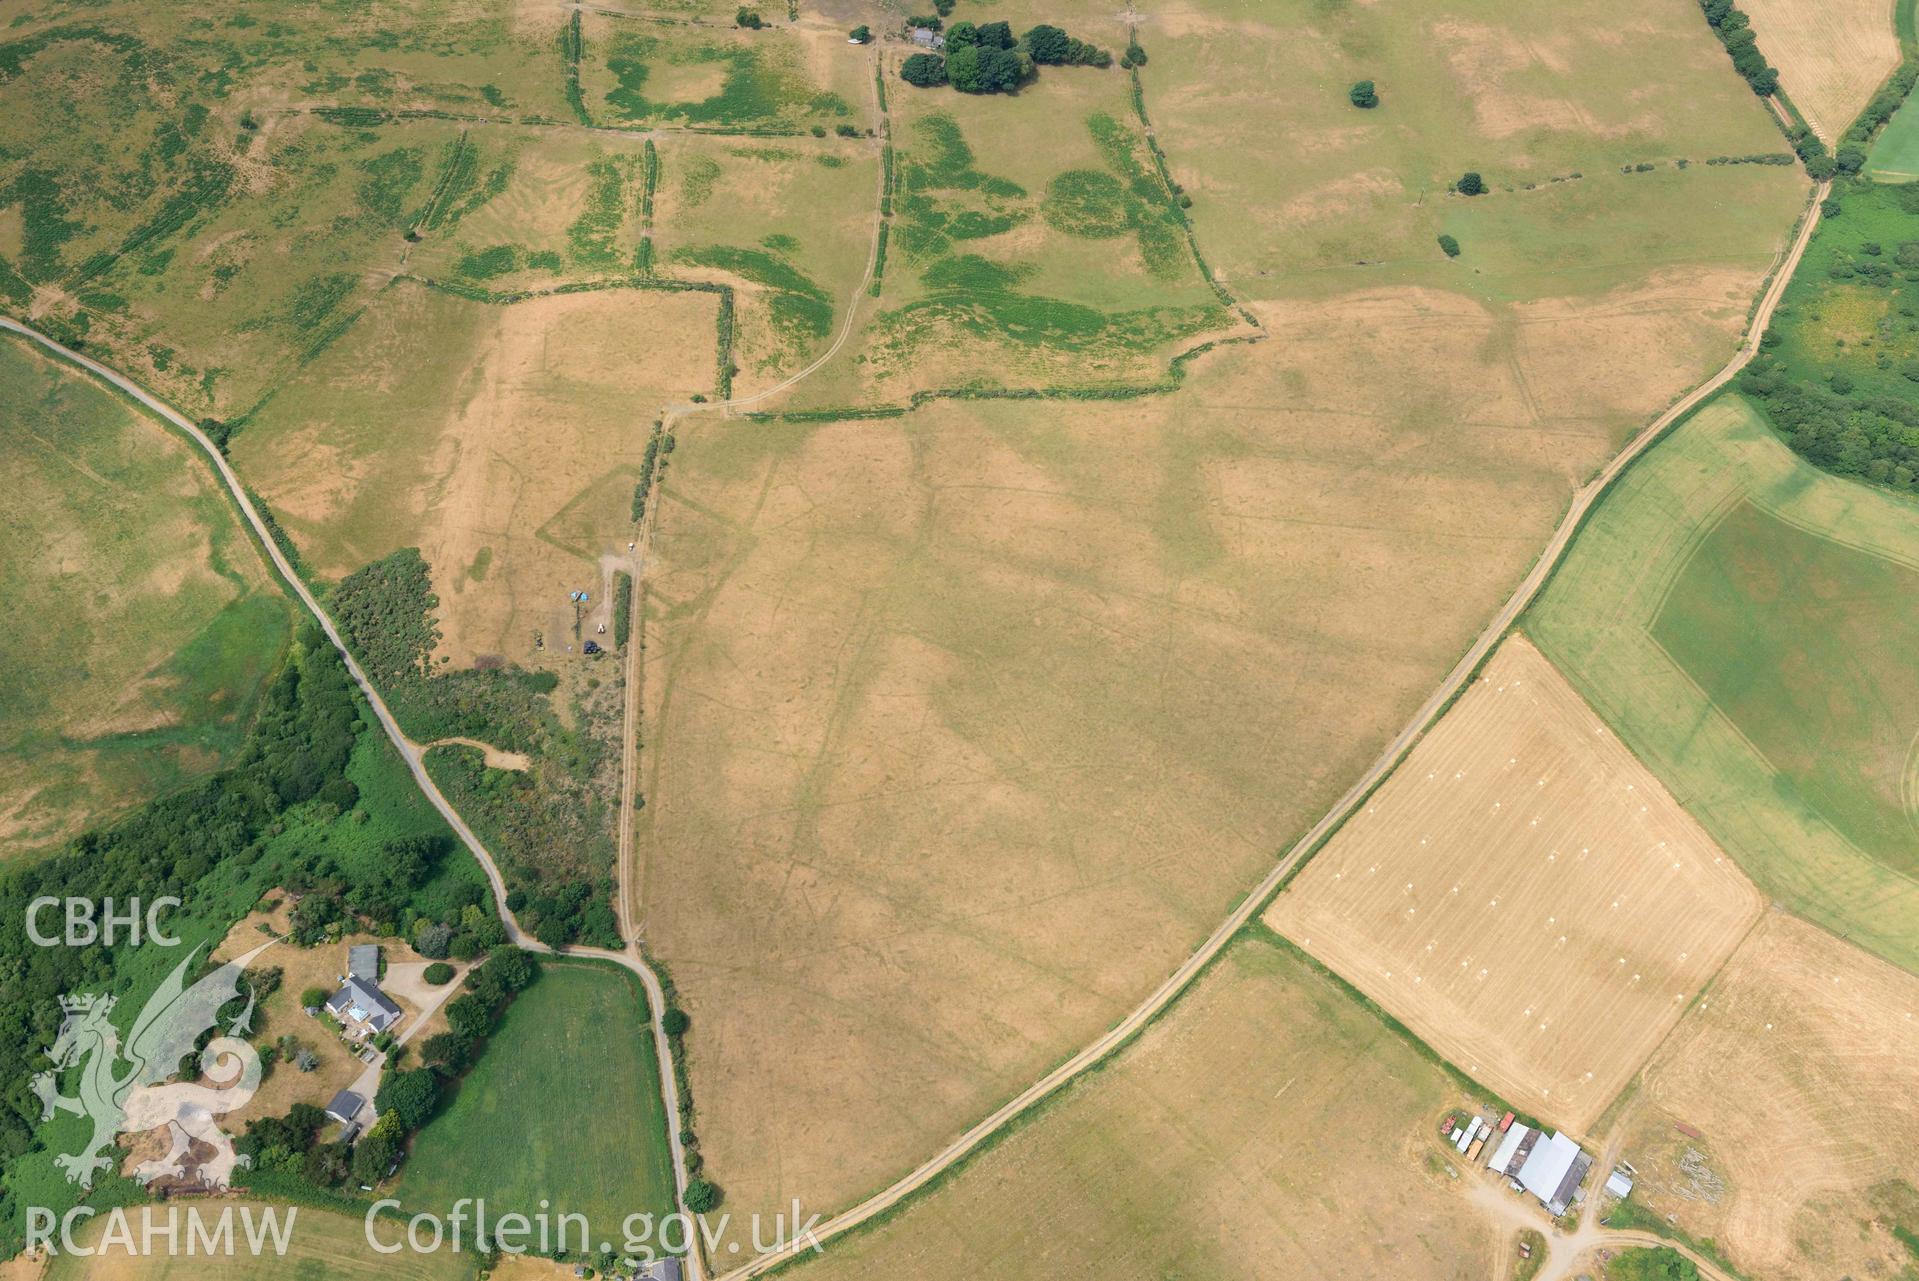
[1512, 1150]
[1553, 1171]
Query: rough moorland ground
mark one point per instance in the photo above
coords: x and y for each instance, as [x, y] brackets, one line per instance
[1015, 265]
[1269, 1116]
[1802, 1035]
[141, 623]
[1736, 616]
[1525, 896]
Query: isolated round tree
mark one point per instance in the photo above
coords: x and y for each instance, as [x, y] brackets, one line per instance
[1470, 184]
[1364, 95]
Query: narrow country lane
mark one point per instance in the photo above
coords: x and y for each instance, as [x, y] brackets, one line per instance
[409, 751]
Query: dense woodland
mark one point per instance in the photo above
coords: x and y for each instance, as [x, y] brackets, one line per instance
[1850, 402]
[273, 818]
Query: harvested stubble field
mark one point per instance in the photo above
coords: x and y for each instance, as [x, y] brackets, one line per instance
[1797, 1071]
[503, 440]
[1295, 191]
[1525, 896]
[965, 727]
[1739, 618]
[1832, 55]
[140, 623]
[1269, 1126]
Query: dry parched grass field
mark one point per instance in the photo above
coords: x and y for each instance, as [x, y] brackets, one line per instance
[502, 440]
[1797, 1070]
[1525, 896]
[1832, 55]
[962, 729]
[1268, 1127]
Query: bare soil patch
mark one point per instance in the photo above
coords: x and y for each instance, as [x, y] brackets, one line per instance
[1525, 895]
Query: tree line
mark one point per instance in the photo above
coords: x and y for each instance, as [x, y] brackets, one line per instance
[986, 58]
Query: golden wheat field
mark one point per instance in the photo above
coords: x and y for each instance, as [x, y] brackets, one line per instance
[1831, 54]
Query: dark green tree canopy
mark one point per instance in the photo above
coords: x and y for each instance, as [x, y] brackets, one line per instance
[1363, 95]
[1048, 44]
[926, 70]
[1470, 184]
[996, 35]
[412, 1094]
[987, 69]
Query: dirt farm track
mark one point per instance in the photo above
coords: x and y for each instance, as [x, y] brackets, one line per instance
[1526, 896]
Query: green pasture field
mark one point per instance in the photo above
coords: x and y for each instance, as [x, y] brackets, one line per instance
[1268, 1115]
[564, 1108]
[1744, 620]
[1010, 264]
[323, 1246]
[726, 208]
[141, 625]
[1295, 190]
[1895, 152]
[1805, 645]
[638, 71]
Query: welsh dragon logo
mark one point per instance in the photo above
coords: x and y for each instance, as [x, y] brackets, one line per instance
[124, 1089]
